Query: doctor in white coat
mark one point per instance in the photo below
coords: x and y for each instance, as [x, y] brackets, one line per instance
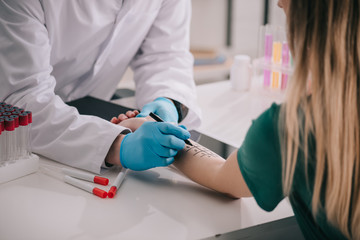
[54, 51]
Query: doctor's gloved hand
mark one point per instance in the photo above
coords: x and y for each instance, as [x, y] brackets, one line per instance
[154, 144]
[162, 107]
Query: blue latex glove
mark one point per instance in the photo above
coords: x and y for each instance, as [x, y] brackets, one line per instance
[154, 144]
[162, 107]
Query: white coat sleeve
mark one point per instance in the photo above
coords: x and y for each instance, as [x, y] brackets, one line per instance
[58, 131]
[163, 66]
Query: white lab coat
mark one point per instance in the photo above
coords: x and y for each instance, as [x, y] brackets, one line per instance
[53, 51]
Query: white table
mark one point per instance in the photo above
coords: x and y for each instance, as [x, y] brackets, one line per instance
[154, 204]
[227, 114]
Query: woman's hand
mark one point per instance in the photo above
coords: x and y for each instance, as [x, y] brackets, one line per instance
[122, 117]
[129, 120]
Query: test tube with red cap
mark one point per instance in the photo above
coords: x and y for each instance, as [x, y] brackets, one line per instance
[86, 176]
[10, 140]
[17, 109]
[85, 186]
[2, 142]
[29, 119]
[24, 134]
[118, 180]
[17, 137]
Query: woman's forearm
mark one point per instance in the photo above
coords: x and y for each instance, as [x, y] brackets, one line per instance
[210, 170]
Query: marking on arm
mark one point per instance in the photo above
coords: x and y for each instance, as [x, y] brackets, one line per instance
[200, 151]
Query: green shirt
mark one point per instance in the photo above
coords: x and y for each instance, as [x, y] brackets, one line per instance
[259, 159]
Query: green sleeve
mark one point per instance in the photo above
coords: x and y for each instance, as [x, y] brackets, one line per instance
[259, 159]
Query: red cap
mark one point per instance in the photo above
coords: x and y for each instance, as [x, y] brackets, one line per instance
[99, 192]
[23, 119]
[17, 112]
[112, 192]
[29, 116]
[16, 119]
[101, 180]
[10, 109]
[9, 124]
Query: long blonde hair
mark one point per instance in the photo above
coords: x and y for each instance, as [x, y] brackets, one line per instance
[323, 101]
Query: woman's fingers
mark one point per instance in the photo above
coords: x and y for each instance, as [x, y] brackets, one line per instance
[124, 116]
[114, 120]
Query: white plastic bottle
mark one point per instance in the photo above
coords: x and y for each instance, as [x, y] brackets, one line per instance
[240, 74]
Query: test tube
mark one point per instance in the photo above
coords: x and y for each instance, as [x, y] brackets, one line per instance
[17, 137]
[9, 109]
[277, 46]
[24, 135]
[19, 109]
[10, 139]
[277, 50]
[268, 54]
[2, 142]
[29, 117]
[6, 114]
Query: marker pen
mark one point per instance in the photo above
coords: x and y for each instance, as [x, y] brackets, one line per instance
[116, 185]
[86, 176]
[85, 186]
[158, 119]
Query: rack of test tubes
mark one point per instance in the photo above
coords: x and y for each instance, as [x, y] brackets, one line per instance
[273, 68]
[16, 159]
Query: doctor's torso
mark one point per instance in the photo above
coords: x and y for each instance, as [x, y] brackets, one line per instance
[92, 42]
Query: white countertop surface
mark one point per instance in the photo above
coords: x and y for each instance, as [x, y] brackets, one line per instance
[227, 114]
[154, 204]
